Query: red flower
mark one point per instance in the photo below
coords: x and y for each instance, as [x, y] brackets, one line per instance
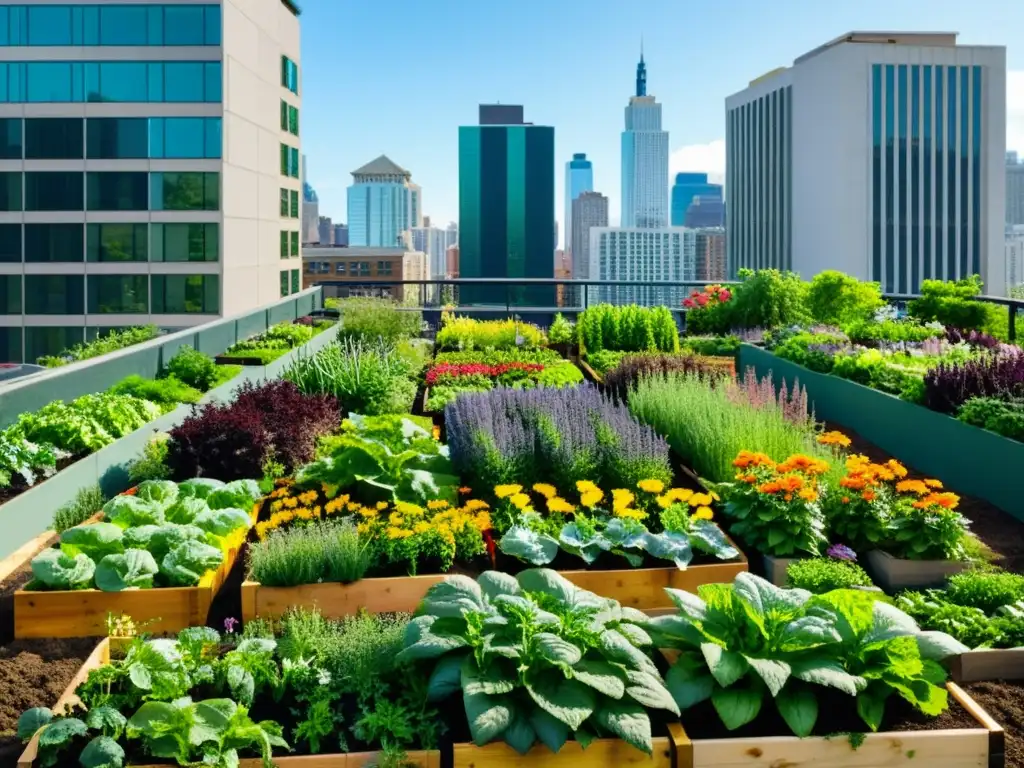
[491, 548]
[702, 299]
[455, 370]
[724, 295]
[688, 303]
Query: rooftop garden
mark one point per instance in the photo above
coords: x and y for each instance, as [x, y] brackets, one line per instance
[605, 540]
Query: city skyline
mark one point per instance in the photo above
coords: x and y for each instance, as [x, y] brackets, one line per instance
[589, 119]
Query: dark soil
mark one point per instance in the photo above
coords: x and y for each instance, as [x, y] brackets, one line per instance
[1001, 532]
[18, 579]
[1004, 701]
[34, 673]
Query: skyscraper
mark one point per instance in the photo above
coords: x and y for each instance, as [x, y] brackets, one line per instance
[589, 210]
[705, 212]
[644, 159]
[579, 178]
[1014, 189]
[128, 195]
[881, 155]
[381, 204]
[665, 254]
[506, 206]
[310, 209]
[687, 188]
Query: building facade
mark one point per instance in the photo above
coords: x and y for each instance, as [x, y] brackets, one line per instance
[589, 210]
[1014, 189]
[705, 212]
[1014, 253]
[433, 242]
[668, 254]
[346, 272]
[132, 190]
[326, 230]
[310, 231]
[506, 209]
[710, 255]
[644, 160]
[382, 204]
[579, 178]
[881, 155]
[341, 235]
[687, 188]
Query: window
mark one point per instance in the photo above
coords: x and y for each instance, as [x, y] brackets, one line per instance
[284, 115]
[98, 24]
[284, 160]
[10, 138]
[295, 281]
[284, 244]
[384, 268]
[185, 191]
[339, 268]
[10, 191]
[116, 191]
[185, 242]
[185, 137]
[284, 283]
[10, 345]
[293, 197]
[289, 75]
[295, 244]
[54, 294]
[289, 161]
[284, 202]
[186, 294]
[360, 269]
[119, 138]
[117, 242]
[184, 25]
[110, 81]
[10, 244]
[293, 120]
[50, 340]
[54, 191]
[10, 294]
[53, 242]
[54, 138]
[118, 293]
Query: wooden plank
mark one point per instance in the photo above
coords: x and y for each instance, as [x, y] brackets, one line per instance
[600, 753]
[998, 664]
[682, 747]
[26, 552]
[422, 759]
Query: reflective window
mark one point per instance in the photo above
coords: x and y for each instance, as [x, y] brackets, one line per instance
[295, 244]
[117, 191]
[54, 138]
[186, 294]
[10, 138]
[118, 293]
[46, 81]
[293, 120]
[928, 224]
[284, 201]
[978, 119]
[113, 138]
[284, 244]
[185, 137]
[294, 198]
[184, 25]
[10, 345]
[54, 294]
[117, 242]
[185, 242]
[110, 81]
[50, 340]
[54, 191]
[890, 155]
[121, 25]
[284, 115]
[10, 294]
[289, 74]
[49, 25]
[898, 260]
[10, 243]
[952, 161]
[185, 191]
[289, 161]
[58, 25]
[295, 281]
[284, 283]
[10, 191]
[939, 143]
[53, 242]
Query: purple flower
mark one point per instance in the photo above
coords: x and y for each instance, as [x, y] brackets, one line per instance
[229, 624]
[842, 552]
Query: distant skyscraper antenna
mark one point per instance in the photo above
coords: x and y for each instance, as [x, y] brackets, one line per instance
[641, 72]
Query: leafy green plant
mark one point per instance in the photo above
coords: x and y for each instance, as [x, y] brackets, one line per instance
[629, 328]
[823, 574]
[152, 464]
[371, 320]
[605, 360]
[768, 298]
[307, 554]
[87, 502]
[747, 643]
[26, 461]
[87, 423]
[458, 333]
[835, 298]
[102, 345]
[988, 590]
[1002, 416]
[193, 368]
[168, 393]
[561, 330]
[535, 658]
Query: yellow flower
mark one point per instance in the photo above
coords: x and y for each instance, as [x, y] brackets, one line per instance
[398, 533]
[396, 518]
[406, 508]
[592, 498]
[482, 521]
[666, 500]
[651, 486]
[700, 500]
[519, 500]
[585, 486]
[368, 512]
[421, 527]
[308, 497]
[546, 490]
[475, 504]
[504, 491]
[559, 504]
[630, 514]
[291, 502]
[381, 505]
[437, 504]
[702, 513]
[679, 494]
[621, 498]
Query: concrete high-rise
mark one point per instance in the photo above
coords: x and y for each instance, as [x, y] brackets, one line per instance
[644, 159]
[687, 188]
[506, 206]
[1014, 189]
[579, 178]
[710, 263]
[666, 254]
[589, 210]
[310, 232]
[141, 181]
[704, 212]
[382, 204]
[878, 154]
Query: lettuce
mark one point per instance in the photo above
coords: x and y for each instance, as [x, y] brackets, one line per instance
[131, 512]
[221, 522]
[161, 492]
[134, 569]
[241, 494]
[57, 570]
[158, 540]
[185, 509]
[199, 487]
[94, 539]
[185, 564]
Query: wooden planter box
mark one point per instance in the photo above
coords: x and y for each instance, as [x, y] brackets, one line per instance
[894, 574]
[602, 753]
[101, 656]
[952, 748]
[84, 612]
[969, 460]
[998, 664]
[642, 588]
[589, 373]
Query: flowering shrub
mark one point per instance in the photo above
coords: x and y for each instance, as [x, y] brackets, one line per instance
[708, 310]
[859, 512]
[448, 380]
[973, 337]
[711, 296]
[761, 393]
[467, 333]
[775, 507]
[445, 372]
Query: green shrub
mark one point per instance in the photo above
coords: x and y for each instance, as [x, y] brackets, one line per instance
[307, 554]
[87, 502]
[292, 334]
[462, 333]
[167, 393]
[768, 298]
[152, 464]
[988, 590]
[952, 303]
[1004, 417]
[629, 328]
[561, 331]
[110, 342]
[711, 346]
[604, 360]
[823, 574]
[835, 298]
[369, 319]
[193, 368]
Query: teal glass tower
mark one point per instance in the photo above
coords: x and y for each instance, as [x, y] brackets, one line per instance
[506, 206]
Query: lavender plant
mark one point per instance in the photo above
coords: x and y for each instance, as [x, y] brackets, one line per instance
[794, 405]
[557, 436]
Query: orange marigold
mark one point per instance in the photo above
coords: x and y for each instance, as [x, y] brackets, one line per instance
[834, 438]
[912, 486]
[769, 487]
[932, 483]
[809, 495]
[869, 495]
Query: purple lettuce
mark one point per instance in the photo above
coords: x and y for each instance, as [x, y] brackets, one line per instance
[948, 386]
[972, 337]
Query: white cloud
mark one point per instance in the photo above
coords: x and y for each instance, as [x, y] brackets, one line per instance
[699, 158]
[1015, 111]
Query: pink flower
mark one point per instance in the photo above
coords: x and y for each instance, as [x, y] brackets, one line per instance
[702, 299]
[688, 303]
[229, 624]
[724, 295]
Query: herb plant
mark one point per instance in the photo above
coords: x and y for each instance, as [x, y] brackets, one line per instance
[823, 574]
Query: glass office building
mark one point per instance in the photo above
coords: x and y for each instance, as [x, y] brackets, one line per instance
[120, 203]
[687, 188]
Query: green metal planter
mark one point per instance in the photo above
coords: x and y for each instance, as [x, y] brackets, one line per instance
[969, 460]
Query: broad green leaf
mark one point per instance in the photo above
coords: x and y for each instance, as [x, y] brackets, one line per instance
[871, 705]
[97, 540]
[616, 647]
[669, 545]
[134, 569]
[492, 680]
[674, 631]
[889, 622]
[638, 636]
[102, 752]
[555, 649]
[828, 672]
[688, 688]
[32, 720]
[429, 646]
[626, 720]
[725, 666]
[210, 719]
[494, 583]
[61, 732]
[140, 677]
[938, 645]
[107, 720]
[601, 676]
[446, 678]
[488, 716]
[570, 701]
[688, 604]
[455, 587]
[588, 548]
[505, 648]
[648, 689]
[706, 536]
[799, 708]
[766, 598]
[736, 706]
[809, 632]
[548, 582]
[528, 545]
[775, 673]
[520, 734]
[584, 736]
[551, 731]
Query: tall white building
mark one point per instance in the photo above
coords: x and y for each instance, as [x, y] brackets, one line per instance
[589, 210]
[1014, 255]
[666, 254]
[432, 241]
[644, 160]
[451, 235]
[150, 165]
[579, 178]
[879, 154]
[383, 205]
[1014, 189]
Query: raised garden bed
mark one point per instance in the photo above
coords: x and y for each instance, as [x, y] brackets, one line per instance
[993, 664]
[84, 612]
[971, 460]
[894, 574]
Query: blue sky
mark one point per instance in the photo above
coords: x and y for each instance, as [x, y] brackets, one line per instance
[399, 77]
